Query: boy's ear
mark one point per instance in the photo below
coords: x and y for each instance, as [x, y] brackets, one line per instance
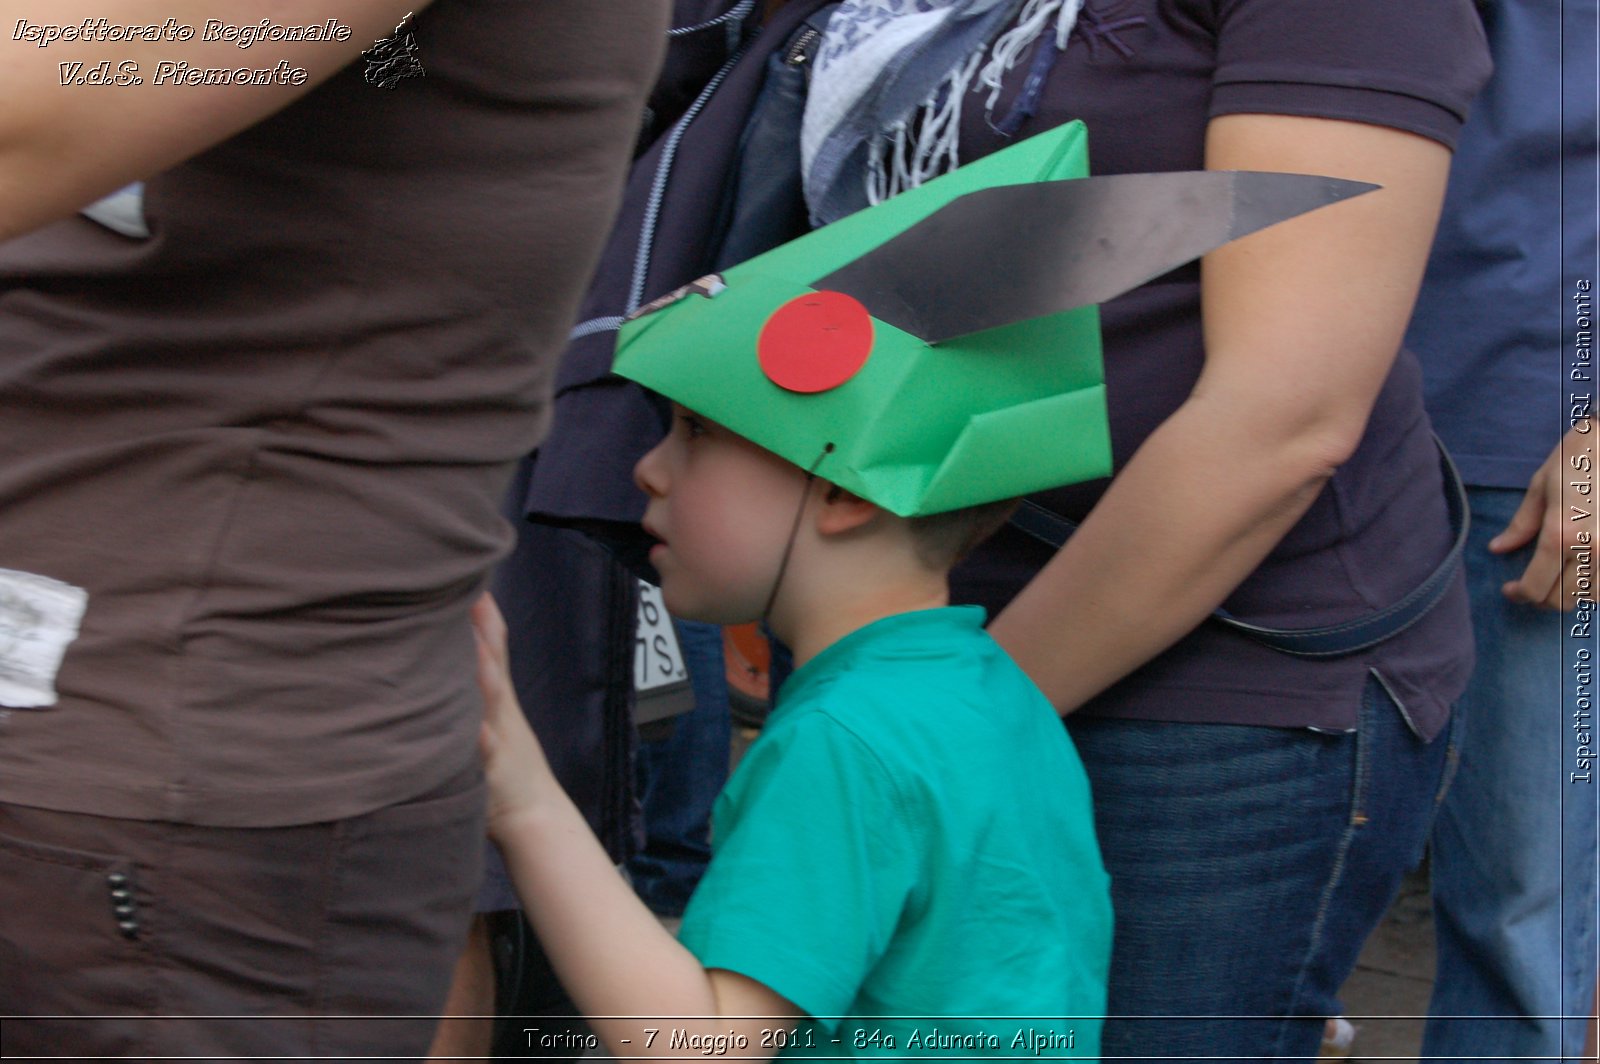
[843, 511]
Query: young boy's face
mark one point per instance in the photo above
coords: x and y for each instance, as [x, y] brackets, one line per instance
[722, 509]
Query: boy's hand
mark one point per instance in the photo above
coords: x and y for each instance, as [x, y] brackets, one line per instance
[519, 776]
[1557, 511]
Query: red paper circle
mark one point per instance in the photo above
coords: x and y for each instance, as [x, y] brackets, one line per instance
[815, 342]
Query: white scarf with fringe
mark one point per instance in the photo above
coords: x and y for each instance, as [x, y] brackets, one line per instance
[889, 85]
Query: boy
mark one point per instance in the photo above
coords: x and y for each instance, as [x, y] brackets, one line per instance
[905, 861]
[913, 802]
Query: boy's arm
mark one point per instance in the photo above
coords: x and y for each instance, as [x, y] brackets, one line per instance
[637, 984]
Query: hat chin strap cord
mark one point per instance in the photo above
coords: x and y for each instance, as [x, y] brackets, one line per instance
[794, 532]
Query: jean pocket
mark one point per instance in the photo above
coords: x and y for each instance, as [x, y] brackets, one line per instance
[1382, 718]
[1364, 739]
[1399, 775]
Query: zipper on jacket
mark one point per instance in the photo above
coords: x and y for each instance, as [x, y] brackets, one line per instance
[804, 45]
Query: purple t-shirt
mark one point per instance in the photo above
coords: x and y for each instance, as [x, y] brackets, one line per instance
[1145, 76]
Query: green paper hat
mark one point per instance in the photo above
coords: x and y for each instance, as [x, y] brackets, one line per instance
[942, 349]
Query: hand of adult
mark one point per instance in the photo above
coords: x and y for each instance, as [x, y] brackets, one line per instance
[97, 92]
[1558, 512]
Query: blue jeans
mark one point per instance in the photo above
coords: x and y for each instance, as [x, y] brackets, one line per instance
[1248, 865]
[1514, 847]
[680, 777]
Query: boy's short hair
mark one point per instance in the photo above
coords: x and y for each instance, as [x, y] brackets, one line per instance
[943, 539]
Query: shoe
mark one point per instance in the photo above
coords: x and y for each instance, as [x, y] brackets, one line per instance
[1337, 1037]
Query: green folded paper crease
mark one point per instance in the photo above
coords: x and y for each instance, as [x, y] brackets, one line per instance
[1015, 407]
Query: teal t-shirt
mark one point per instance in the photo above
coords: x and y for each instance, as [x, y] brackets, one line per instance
[908, 854]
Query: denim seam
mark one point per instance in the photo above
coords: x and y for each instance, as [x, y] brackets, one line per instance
[1452, 760]
[1346, 841]
[1358, 795]
[1335, 875]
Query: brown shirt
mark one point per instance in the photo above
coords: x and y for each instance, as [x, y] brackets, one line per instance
[269, 441]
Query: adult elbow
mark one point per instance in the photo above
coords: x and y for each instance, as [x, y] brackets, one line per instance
[1304, 443]
[1332, 441]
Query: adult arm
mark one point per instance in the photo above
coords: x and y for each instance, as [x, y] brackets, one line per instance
[1561, 519]
[1302, 323]
[65, 146]
[637, 984]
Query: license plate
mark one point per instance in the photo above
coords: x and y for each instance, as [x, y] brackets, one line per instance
[660, 678]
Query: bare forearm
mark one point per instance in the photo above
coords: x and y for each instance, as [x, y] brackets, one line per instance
[611, 953]
[1193, 513]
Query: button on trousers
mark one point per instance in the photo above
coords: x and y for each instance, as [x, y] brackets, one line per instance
[141, 939]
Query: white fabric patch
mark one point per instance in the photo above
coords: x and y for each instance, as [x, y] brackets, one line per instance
[831, 97]
[39, 619]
